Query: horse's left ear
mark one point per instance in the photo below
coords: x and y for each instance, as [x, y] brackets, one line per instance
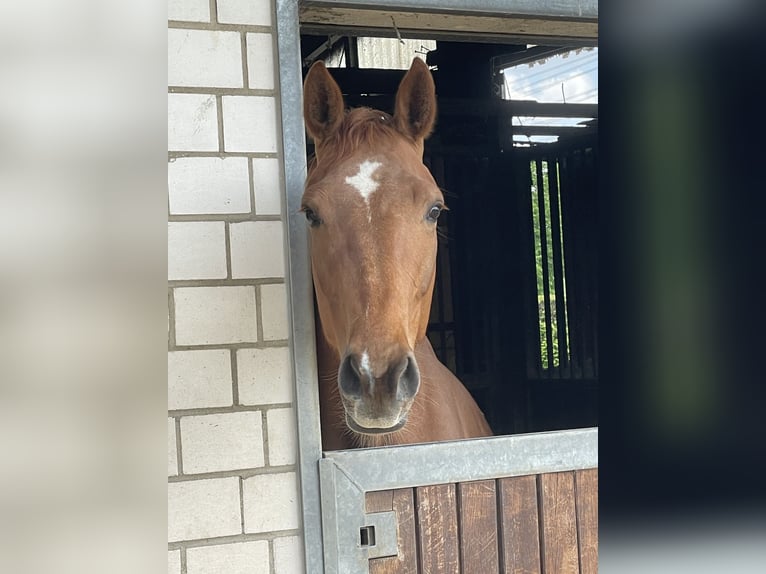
[415, 111]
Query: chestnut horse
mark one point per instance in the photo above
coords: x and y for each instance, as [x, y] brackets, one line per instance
[372, 206]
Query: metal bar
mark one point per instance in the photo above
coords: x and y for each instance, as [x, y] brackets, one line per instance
[544, 254]
[558, 266]
[446, 462]
[579, 10]
[298, 280]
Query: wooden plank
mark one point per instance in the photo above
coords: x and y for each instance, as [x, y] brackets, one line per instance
[519, 530]
[321, 20]
[437, 529]
[586, 500]
[559, 525]
[401, 502]
[379, 501]
[477, 508]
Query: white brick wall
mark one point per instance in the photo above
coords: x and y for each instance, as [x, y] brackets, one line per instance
[192, 122]
[233, 504]
[260, 61]
[210, 185]
[256, 249]
[271, 502]
[282, 441]
[189, 10]
[215, 315]
[264, 376]
[204, 58]
[197, 250]
[203, 509]
[199, 379]
[174, 562]
[172, 452]
[274, 312]
[239, 558]
[268, 194]
[288, 555]
[249, 124]
[255, 12]
[227, 441]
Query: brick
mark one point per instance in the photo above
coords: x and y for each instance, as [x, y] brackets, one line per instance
[288, 555]
[254, 12]
[199, 379]
[197, 250]
[229, 441]
[192, 122]
[282, 436]
[237, 558]
[264, 376]
[172, 452]
[270, 502]
[203, 509]
[215, 315]
[268, 191]
[204, 58]
[260, 61]
[174, 562]
[274, 312]
[208, 185]
[257, 249]
[189, 10]
[249, 124]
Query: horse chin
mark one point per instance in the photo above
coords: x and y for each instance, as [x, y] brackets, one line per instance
[375, 430]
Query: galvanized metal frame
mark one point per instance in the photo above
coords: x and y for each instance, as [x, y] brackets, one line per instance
[348, 475]
[343, 474]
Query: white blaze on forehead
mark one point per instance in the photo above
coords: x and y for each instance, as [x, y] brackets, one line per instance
[363, 181]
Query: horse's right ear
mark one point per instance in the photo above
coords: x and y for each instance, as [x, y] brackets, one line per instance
[323, 107]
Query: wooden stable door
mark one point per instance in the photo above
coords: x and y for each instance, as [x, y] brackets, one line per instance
[517, 504]
[534, 524]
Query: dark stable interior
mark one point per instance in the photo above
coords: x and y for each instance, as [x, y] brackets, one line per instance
[532, 365]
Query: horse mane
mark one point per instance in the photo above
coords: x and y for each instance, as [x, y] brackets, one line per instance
[360, 127]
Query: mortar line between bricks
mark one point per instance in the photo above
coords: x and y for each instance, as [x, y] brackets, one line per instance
[230, 217]
[241, 504]
[249, 537]
[245, 71]
[220, 27]
[234, 377]
[265, 434]
[238, 473]
[276, 343]
[214, 12]
[272, 558]
[228, 409]
[176, 283]
[218, 91]
[227, 247]
[259, 313]
[171, 319]
[219, 112]
[176, 154]
[179, 451]
[184, 567]
[251, 181]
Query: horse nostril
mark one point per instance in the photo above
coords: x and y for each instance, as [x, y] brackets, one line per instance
[349, 377]
[409, 379]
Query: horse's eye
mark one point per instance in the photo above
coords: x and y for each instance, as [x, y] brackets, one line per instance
[311, 216]
[433, 213]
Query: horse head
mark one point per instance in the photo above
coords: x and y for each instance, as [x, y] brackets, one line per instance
[372, 206]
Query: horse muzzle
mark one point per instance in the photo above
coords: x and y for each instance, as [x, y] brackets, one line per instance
[377, 404]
